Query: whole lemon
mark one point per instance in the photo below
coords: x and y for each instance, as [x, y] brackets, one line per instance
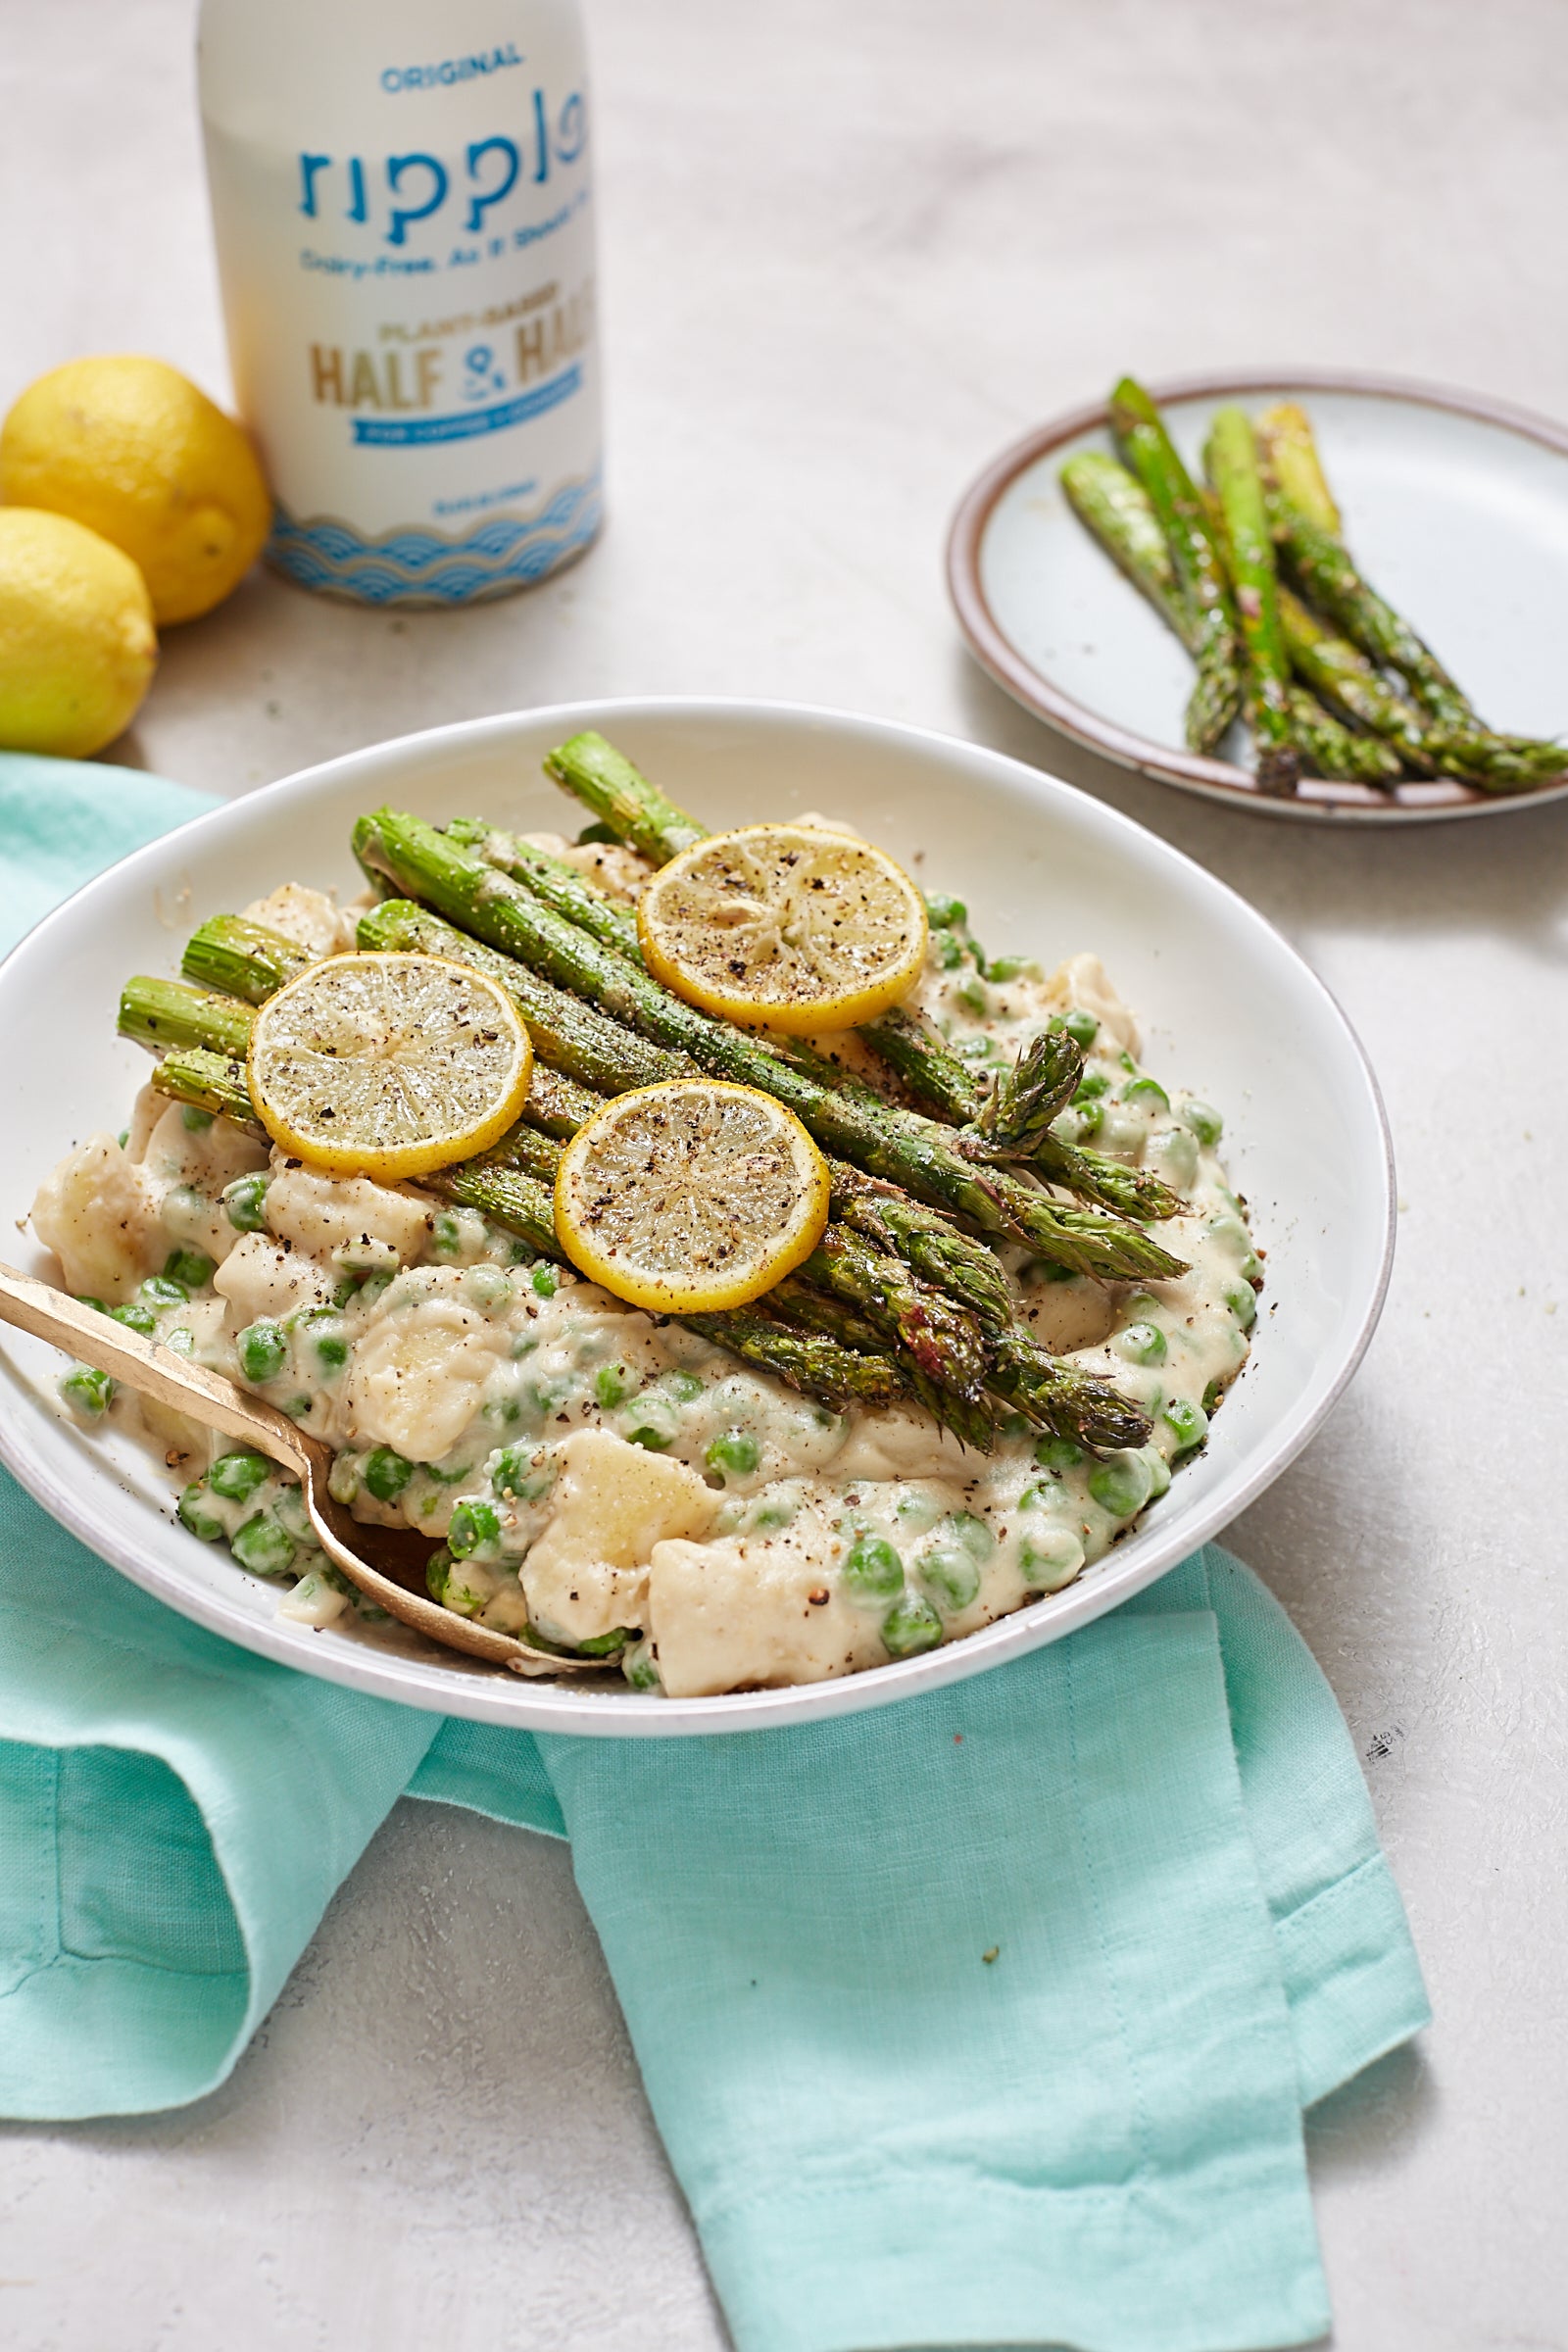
[130, 448]
[77, 649]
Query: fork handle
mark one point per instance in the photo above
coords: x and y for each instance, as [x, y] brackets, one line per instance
[96, 1338]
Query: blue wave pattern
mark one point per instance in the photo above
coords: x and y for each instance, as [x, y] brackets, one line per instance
[432, 568]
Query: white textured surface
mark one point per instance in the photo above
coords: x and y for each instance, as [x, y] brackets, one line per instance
[851, 249]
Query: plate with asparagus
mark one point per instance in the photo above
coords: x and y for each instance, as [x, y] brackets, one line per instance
[754, 1372]
[1321, 597]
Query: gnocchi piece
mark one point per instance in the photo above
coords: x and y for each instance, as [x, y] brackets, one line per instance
[744, 1613]
[418, 1376]
[1082, 980]
[98, 1215]
[260, 1278]
[311, 918]
[613, 1503]
[348, 1218]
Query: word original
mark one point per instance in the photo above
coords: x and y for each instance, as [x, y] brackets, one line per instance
[450, 70]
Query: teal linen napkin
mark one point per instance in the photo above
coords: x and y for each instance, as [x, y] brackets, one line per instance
[988, 2019]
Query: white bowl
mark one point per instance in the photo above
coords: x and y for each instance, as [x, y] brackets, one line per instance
[1226, 1008]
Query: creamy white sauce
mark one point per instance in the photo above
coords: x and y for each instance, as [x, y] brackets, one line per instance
[598, 1478]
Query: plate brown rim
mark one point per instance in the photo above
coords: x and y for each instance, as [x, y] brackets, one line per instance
[1320, 798]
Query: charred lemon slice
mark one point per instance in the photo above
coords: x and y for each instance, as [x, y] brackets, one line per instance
[687, 1197]
[785, 927]
[388, 1066]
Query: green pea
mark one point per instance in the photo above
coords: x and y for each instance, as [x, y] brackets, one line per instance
[971, 1534]
[1046, 1270]
[1002, 968]
[519, 1253]
[87, 1391]
[262, 1547]
[1079, 1121]
[236, 1476]
[1187, 1423]
[180, 1342]
[872, 1569]
[343, 1479]
[737, 1451]
[910, 1626]
[293, 1517]
[298, 1408]
[464, 1592]
[194, 1120]
[641, 1668]
[1091, 1086]
[386, 1473]
[1082, 1027]
[194, 1514]
[1058, 1454]
[1052, 1559]
[1242, 1300]
[1121, 1484]
[331, 1350]
[262, 1347]
[650, 1426]
[1204, 1122]
[545, 1282]
[1158, 1472]
[684, 1386]
[193, 1268]
[123, 1138]
[245, 1201]
[513, 1476]
[162, 1290]
[1178, 1149]
[607, 1646]
[944, 912]
[1146, 1091]
[975, 998]
[135, 1317]
[1141, 1343]
[487, 1289]
[375, 1283]
[84, 1298]
[948, 951]
[475, 1530]
[770, 1515]
[445, 1478]
[446, 1235]
[949, 1576]
[614, 1384]
[1213, 1397]
[345, 1289]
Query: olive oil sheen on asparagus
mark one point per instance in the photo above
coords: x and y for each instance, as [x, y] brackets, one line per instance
[401, 202]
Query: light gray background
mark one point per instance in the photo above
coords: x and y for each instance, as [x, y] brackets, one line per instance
[852, 247]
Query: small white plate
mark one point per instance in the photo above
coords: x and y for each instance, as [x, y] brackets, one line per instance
[1226, 1006]
[1456, 508]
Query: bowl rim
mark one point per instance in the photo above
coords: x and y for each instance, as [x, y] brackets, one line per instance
[1332, 802]
[515, 1703]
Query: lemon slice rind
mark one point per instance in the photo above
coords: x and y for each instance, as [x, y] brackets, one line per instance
[691, 1197]
[388, 1066]
[788, 927]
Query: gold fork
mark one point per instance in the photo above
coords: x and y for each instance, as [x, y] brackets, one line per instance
[207, 1396]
